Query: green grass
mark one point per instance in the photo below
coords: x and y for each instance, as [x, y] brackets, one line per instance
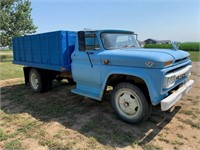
[54, 144]
[190, 122]
[6, 56]
[99, 128]
[187, 112]
[25, 126]
[14, 144]
[190, 46]
[176, 142]
[187, 46]
[163, 138]
[151, 147]
[194, 56]
[5, 51]
[163, 46]
[3, 136]
[9, 70]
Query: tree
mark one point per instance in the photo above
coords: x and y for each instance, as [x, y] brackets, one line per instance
[15, 20]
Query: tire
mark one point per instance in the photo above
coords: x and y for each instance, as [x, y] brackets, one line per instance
[49, 85]
[35, 80]
[130, 104]
[39, 81]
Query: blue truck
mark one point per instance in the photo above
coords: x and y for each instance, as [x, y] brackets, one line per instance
[98, 60]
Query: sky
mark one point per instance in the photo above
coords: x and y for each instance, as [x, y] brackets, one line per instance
[176, 20]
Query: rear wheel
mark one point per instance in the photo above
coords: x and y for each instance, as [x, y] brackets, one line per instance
[130, 104]
[35, 80]
[40, 80]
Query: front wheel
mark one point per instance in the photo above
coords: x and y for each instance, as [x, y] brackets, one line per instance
[130, 104]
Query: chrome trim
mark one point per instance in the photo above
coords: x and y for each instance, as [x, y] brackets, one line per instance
[169, 101]
[184, 71]
[179, 72]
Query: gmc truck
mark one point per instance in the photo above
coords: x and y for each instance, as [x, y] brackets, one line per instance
[97, 60]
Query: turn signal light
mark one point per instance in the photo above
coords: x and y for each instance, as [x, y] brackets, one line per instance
[167, 63]
[106, 61]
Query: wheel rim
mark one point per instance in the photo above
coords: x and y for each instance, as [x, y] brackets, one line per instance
[34, 81]
[128, 103]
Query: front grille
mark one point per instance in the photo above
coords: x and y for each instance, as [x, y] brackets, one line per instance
[181, 76]
[176, 69]
[180, 60]
[178, 74]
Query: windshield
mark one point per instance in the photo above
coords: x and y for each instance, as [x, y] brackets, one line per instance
[119, 40]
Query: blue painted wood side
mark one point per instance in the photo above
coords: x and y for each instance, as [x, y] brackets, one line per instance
[50, 50]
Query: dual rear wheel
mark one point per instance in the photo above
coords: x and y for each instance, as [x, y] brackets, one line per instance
[38, 82]
[41, 80]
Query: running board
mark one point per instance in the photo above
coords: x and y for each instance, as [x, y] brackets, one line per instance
[87, 90]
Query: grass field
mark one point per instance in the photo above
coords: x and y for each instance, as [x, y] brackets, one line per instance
[6, 55]
[194, 56]
[9, 70]
[187, 46]
[5, 51]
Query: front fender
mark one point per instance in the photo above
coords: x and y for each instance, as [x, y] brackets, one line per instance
[151, 77]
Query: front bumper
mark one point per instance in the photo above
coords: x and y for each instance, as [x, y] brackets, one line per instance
[169, 101]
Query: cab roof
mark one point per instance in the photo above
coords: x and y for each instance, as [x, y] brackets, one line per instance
[109, 30]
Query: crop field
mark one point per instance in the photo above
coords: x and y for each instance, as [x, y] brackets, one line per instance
[59, 119]
[187, 46]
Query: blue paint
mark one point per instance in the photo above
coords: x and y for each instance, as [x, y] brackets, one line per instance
[56, 50]
[47, 50]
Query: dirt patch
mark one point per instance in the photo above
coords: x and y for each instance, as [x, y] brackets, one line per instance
[32, 144]
[59, 119]
[8, 82]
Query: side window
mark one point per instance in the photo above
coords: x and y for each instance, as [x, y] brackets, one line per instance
[91, 42]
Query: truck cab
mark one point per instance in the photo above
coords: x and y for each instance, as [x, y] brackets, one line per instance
[140, 78]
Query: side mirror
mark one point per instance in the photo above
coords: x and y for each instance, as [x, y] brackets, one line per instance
[81, 40]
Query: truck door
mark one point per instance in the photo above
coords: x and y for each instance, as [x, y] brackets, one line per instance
[86, 64]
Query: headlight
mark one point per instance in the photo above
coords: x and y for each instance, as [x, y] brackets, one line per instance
[170, 81]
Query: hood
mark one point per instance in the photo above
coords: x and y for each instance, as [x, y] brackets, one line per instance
[140, 57]
[176, 54]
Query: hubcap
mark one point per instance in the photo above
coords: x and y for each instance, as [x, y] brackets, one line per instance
[34, 81]
[128, 103]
